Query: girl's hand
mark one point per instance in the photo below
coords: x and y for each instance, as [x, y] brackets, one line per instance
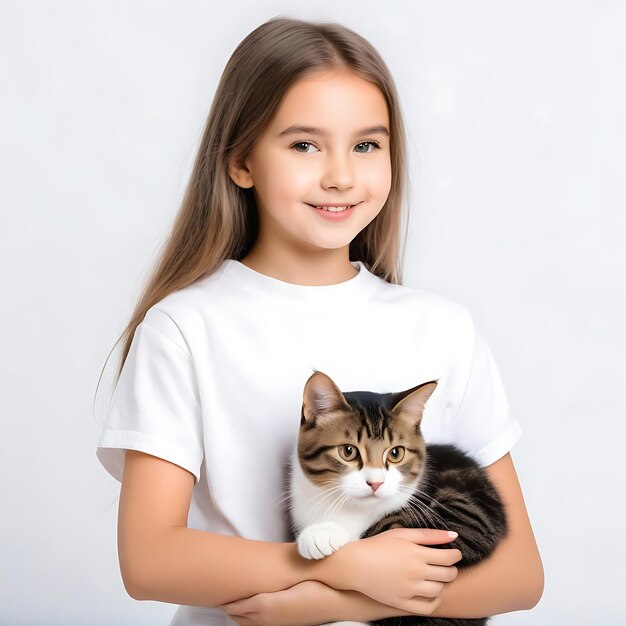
[282, 608]
[398, 568]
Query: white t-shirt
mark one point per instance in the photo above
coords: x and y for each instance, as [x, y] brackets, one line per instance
[214, 378]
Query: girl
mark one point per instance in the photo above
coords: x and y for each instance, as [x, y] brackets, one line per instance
[284, 257]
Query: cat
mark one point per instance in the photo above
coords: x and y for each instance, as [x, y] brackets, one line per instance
[361, 467]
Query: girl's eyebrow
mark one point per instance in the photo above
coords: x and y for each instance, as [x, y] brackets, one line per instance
[293, 130]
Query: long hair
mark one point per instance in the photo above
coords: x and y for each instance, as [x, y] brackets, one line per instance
[217, 219]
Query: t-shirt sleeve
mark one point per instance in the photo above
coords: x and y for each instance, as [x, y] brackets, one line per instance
[155, 407]
[483, 424]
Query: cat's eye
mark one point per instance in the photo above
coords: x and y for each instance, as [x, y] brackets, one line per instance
[396, 454]
[348, 452]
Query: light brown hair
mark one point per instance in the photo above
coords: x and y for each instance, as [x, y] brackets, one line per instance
[217, 219]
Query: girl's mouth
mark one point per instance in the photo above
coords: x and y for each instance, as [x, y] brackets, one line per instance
[333, 209]
[334, 213]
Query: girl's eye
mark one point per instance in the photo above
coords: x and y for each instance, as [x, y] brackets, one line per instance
[374, 144]
[396, 454]
[348, 452]
[302, 143]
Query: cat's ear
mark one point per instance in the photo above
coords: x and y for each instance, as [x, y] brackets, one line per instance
[321, 398]
[409, 405]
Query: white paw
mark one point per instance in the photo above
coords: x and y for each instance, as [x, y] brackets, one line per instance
[319, 540]
[346, 624]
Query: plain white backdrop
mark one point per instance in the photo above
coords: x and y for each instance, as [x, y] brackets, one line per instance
[517, 127]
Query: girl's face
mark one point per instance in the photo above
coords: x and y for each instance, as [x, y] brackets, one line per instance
[340, 156]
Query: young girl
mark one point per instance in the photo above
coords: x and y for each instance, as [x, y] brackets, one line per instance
[284, 257]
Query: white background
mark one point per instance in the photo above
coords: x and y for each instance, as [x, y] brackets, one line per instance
[516, 119]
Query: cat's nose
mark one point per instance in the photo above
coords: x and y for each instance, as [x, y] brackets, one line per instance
[374, 486]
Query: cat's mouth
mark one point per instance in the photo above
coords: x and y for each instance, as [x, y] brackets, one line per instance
[371, 496]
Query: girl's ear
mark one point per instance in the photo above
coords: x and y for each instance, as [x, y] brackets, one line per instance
[240, 175]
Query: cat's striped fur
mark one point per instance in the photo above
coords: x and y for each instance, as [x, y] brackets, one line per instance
[347, 480]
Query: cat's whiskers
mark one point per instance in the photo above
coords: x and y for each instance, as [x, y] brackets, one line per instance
[435, 501]
[285, 494]
[345, 500]
[417, 516]
[333, 505]
[424, 507]
[430, 515]
[282, 497]
[337, 505]
[324, 496]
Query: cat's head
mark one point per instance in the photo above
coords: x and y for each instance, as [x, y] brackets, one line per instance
[367, 444]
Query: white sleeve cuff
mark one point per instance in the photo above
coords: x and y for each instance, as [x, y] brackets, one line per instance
[112, 446]
[497, 448]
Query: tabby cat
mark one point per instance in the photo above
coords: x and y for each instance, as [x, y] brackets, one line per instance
[362, 467]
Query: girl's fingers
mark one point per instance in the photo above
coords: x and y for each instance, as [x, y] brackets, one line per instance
[448, 556]
[422, 606]
[430, 589]
[441, 574]
[424, 536]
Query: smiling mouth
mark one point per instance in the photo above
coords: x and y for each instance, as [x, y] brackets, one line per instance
[334, 209]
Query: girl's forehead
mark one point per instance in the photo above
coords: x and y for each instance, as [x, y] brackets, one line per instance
[330, 103]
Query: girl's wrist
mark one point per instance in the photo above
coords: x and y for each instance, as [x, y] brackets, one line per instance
[334, 572]
[355, 606]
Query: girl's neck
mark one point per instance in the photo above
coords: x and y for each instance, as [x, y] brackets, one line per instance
[323, 267]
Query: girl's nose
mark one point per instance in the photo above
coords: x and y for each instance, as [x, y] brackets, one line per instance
[338, 173]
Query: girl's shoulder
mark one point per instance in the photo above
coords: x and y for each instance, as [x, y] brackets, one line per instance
[424, 297]
[436, 307]
[186, 305]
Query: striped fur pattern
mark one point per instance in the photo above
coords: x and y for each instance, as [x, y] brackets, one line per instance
[362, 467]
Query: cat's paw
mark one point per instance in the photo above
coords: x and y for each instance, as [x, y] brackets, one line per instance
[346, 624]
[319, 540]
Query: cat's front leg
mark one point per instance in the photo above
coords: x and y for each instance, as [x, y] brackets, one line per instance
[322, 539]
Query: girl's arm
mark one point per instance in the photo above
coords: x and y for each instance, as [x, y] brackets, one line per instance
[161, 559]
[510, 579]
